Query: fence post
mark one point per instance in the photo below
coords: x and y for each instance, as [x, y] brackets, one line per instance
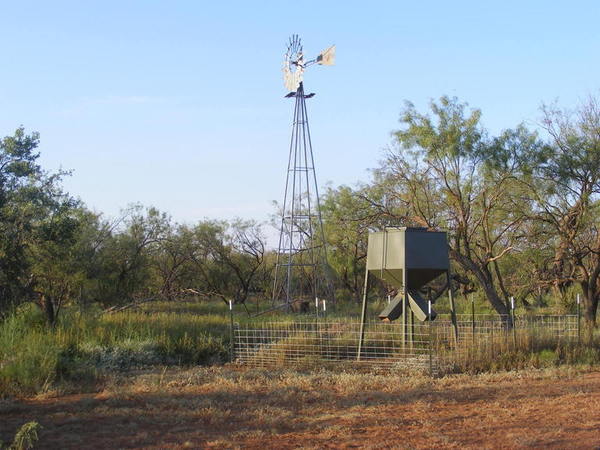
[578, 320]
[317, 306]
[492, 337]
[514, 324]
[231, 334]
[453, 313]
[473, 317]
[363, 315]
[430, 338]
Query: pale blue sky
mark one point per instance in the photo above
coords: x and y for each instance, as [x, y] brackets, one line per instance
[180, 104]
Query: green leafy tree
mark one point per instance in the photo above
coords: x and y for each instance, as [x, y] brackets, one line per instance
[125, 257]
[37, 227]
[565, 196]
[347, 218]
[445, 173]
[173, 263]
[229, 259]
[18, 168]
[54, 272]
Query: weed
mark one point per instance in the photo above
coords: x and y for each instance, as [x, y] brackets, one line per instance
[26, 436]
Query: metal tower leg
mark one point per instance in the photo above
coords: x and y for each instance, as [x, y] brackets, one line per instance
[301, 255]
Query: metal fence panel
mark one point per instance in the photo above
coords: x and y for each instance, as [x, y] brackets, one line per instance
[423, 346]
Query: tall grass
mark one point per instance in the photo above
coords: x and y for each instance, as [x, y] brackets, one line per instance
[528, 346]
[35, 358]
[28, 358]
[83, 345]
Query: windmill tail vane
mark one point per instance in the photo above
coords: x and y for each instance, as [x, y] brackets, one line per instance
[327, 57]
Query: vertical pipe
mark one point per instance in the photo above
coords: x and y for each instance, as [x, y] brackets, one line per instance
[329, 281]
[578, 319]
[404, 312]
[512, 309]
[231, 336]
[473, 317]
[363, 315]
[492, 338]
[412, 329]
[430, 338]
[282, 230]
[292, 224]
[308, 212]
[405, 306]
[452, 309]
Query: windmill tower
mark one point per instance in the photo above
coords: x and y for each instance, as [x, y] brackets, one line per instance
[301, 266]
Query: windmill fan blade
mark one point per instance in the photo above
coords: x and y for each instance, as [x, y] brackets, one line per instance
[327, 57]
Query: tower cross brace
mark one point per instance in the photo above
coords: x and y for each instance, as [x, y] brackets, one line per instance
[301, 264]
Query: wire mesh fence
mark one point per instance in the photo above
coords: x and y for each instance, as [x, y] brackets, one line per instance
[420, 346]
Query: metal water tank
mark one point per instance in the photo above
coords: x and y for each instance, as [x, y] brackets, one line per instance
[407, 258]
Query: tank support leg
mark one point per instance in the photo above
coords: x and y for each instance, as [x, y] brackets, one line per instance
[363, 316]
[452, 310]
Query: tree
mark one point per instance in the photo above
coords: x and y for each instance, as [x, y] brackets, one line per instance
[36, 227]
[229, 258]
[126, 256]
[54, 271]
[173, 261]
[17, 167]
[445, 173]
[347, 218]
[565, 197]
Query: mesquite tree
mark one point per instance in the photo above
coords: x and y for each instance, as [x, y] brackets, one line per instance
[446, 173]
[565, 193]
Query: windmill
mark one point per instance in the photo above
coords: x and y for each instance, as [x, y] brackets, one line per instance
[301, 265]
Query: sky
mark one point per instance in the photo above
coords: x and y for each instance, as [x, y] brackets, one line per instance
[180, 104]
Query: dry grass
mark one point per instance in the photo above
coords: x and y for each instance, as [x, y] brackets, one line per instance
[228, 407]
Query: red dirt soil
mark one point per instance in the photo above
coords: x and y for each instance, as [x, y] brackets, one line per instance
[510, 411]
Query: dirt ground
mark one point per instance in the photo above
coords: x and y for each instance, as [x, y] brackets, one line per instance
[251, 408]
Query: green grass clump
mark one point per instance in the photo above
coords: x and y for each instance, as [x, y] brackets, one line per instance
[28, 359]
[35, 357]
[26, 436]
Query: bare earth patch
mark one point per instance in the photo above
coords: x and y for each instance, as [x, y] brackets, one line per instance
[250, 408]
